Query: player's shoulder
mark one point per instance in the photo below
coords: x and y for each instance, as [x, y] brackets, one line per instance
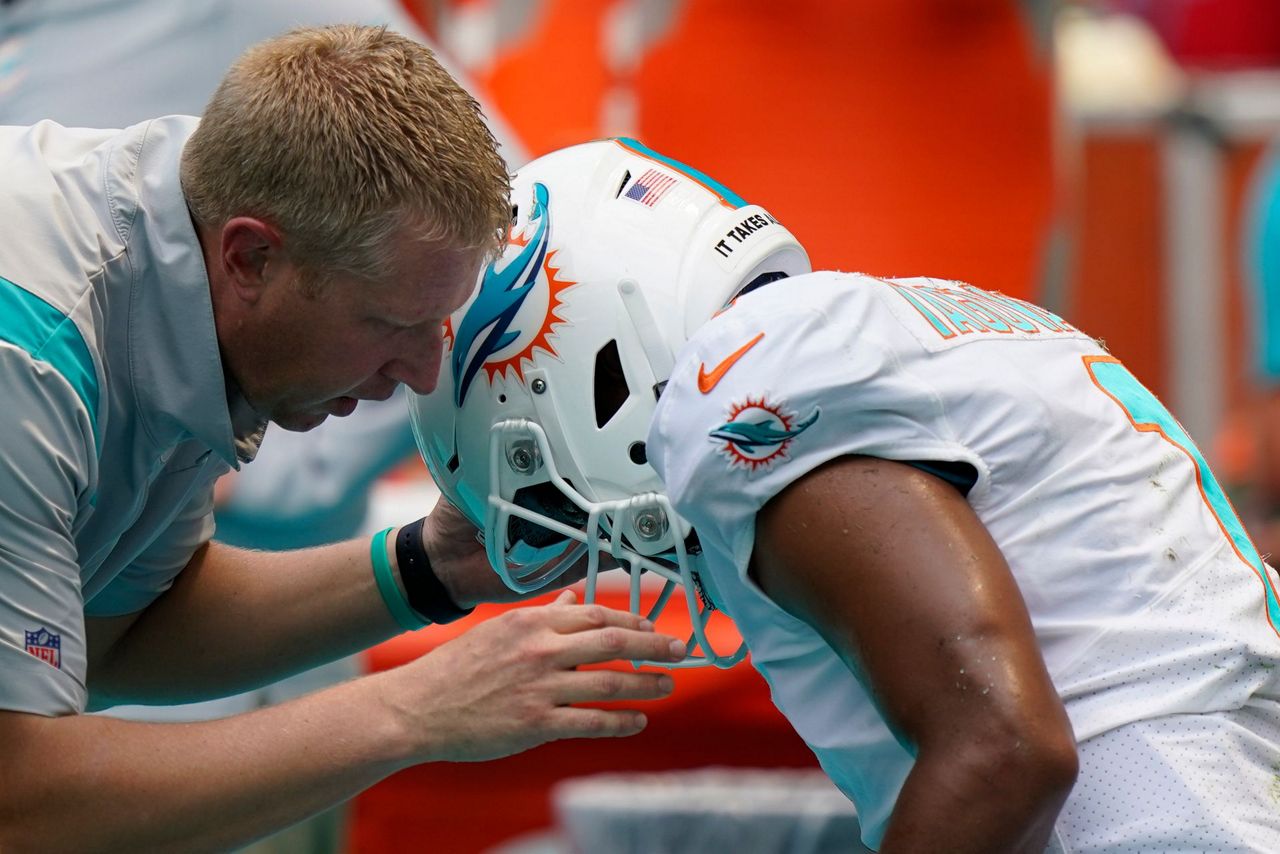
[802, 320]
[780, 304]
[809, 291]
[745, 365]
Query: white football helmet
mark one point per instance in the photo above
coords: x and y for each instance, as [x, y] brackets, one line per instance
[537, 428]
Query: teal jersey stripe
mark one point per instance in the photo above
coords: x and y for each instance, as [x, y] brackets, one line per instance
[1147, 413]
[729, 196]
[51, 337]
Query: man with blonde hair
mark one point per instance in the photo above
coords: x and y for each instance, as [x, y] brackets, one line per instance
[164, 291]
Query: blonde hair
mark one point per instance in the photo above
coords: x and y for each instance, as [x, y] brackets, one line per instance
[340, 137]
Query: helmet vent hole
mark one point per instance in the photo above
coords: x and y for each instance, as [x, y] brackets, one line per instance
[611, 390]
[638, 454]
[625, 178]
[452, 465]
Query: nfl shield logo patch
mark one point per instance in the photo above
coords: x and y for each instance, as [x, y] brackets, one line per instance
[46, 646]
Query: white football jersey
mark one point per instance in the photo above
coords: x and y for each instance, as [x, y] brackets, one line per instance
[1146, 596]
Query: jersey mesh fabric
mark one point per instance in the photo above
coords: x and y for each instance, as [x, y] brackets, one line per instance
[1218, 785]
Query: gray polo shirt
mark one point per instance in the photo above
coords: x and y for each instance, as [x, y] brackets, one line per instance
[114, 416]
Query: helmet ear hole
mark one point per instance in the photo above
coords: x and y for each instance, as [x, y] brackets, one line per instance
[609, 383]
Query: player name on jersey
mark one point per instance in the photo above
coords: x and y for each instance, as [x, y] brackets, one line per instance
[954, 308]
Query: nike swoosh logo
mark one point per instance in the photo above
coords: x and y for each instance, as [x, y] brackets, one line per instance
[707, 380]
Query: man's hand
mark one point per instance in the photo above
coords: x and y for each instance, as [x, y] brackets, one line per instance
[459, 560]
[510, 683]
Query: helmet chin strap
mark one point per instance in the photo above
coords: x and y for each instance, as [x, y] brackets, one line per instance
[656, 351]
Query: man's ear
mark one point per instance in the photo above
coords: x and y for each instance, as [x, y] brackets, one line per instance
[252, 255]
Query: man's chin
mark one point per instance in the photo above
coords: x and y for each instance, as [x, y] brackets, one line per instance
[300, 422]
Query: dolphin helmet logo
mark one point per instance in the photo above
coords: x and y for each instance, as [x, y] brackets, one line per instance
[758, 433]
[497, 320]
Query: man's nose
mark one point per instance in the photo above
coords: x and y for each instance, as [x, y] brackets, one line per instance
[419, 366]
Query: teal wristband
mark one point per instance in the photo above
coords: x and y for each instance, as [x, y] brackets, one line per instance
[391, 595]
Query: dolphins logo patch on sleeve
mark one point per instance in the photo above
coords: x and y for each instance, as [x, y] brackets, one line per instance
[513, 309]
[758, 433]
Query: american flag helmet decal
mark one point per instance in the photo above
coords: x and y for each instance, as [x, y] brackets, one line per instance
[650, 187]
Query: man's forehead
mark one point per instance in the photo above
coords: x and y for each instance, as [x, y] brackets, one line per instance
[435, 281]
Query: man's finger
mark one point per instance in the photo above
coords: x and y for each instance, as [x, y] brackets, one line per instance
[614, 643]
[567, 618]
[600, 686]
[574, 722]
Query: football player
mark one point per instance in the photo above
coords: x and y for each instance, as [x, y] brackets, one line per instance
[988, 577]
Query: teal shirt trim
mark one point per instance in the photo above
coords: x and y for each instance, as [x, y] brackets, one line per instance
[701, 177]
[51, 337]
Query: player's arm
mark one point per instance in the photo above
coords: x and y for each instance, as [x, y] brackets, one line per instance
[897, 573]
[87, 783]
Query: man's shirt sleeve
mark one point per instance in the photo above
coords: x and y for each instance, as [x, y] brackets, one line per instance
[47, 460]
